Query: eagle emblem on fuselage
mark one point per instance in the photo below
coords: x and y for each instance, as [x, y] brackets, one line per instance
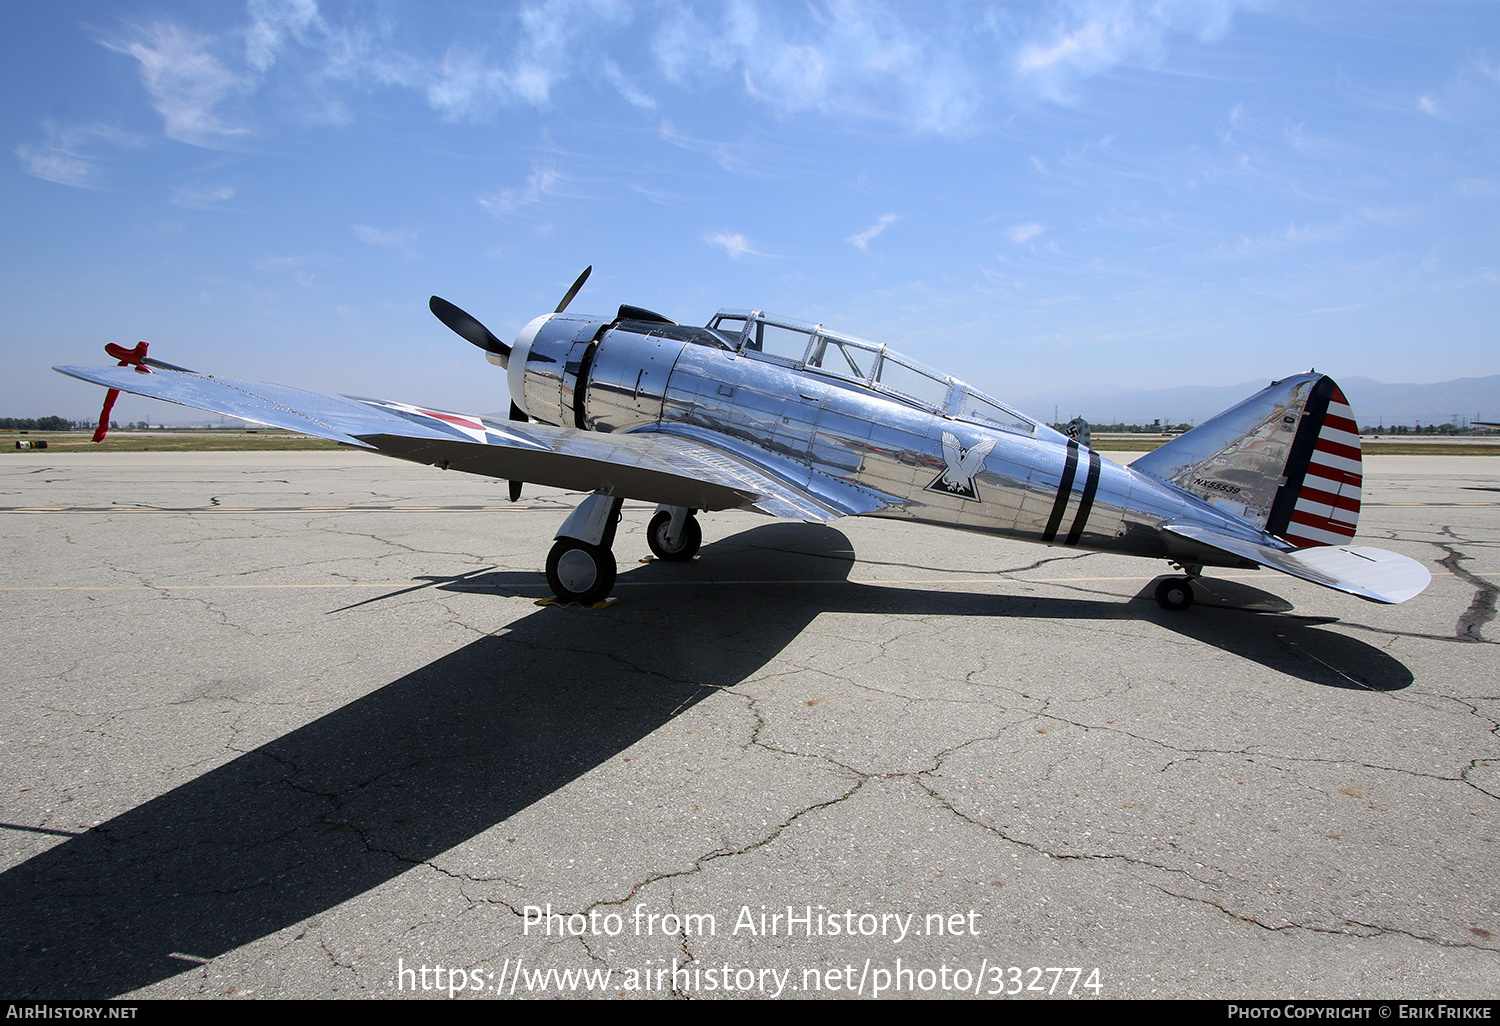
[960, 466]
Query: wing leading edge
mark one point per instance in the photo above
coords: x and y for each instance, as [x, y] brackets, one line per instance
[648, 466]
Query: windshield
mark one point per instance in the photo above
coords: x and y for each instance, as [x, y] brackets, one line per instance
[871, 365]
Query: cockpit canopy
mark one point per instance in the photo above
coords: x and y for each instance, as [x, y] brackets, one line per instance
[864, 364]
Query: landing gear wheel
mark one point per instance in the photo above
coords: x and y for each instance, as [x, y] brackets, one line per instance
[687, 542]
[1174, 593]
[580, 572]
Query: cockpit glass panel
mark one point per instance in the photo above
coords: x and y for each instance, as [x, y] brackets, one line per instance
[837, 356]
[909, 381]
[731, 327]
[848, 354]
[869, 363]
[985, 411]
[773, 340]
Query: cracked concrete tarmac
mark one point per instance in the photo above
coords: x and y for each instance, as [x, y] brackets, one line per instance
[277, 724]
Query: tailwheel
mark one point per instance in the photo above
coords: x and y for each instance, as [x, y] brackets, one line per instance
[689, 538]
[580, 572]
[1174, 593]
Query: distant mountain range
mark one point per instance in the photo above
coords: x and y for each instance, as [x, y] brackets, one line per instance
[1373, 402]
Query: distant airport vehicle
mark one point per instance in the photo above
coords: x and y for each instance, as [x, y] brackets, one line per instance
[794, 420]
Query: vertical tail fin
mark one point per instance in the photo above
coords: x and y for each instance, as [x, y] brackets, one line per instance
[1319, 503]
[1286, 459]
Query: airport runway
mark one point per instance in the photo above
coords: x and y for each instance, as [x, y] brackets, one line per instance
[292, 725]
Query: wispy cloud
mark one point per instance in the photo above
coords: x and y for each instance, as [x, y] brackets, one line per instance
[329, 55]
[928, 70]
[554, 40]
[272, 22]
[1019, 233]
[69, 156]
[661, 197]
[186, 81]
[736, 245]
[60, 166]
[397, 239]
[729, 157]
[925, 70]
[838, 58]
[1468, 99]
[281, 265]
[1490, 71]
[296, 266]
[1478, 187]
[1292, 235]
[1317, 146]
[543, 181]
[200, 197]
[634, 95]
[466, 87]
[862, 239]
[192, 78]
[1090, 37]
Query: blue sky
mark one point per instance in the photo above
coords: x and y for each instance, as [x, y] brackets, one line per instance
[1136, 193]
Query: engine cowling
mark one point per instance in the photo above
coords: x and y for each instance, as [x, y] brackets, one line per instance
[594, 374]
[545, 364]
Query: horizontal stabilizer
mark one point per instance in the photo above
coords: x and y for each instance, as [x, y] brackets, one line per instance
[1373, 574]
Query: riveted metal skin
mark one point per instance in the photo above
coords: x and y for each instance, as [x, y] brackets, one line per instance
[1236, 460]
[628, 379]
[539, 360]
[827, 427]
[830, 433]
[788, 419]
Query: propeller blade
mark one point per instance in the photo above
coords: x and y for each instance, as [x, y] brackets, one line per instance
[574, 290]
[467, 327]
[516, 413]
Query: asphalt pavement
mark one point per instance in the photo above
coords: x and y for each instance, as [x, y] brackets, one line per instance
[293, 725]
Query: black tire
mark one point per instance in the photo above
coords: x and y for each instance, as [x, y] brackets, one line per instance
[1174, 593]
[580, 572]
[687, 544]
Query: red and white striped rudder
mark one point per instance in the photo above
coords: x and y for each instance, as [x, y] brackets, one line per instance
[1319, 503]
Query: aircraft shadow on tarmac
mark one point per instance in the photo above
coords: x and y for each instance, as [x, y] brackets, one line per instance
[807, 563]
[436, 757]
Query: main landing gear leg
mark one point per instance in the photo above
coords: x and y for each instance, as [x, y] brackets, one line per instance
[674, 533]
[1176, 593]
[581, 565]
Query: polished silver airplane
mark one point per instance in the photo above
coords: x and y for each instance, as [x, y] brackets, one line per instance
[794, 420]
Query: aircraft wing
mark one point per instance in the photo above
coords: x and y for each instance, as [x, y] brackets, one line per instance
[649, 466]
[1372, 574]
